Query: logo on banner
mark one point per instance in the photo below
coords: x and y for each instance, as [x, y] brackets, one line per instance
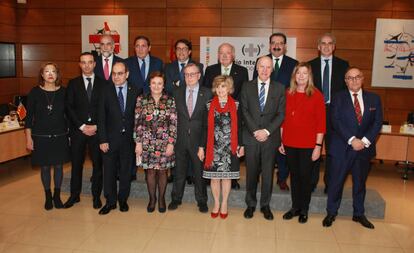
[95, 38]
[251, 49]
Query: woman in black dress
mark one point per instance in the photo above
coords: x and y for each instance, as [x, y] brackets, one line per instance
[46, 130]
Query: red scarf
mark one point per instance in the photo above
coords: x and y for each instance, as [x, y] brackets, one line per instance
[229, 107]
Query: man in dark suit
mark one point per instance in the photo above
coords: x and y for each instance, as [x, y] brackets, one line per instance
[263, 109]
[142, 64]
[226, 66]
[107, 59]
[174, 71]
[116, 118]
[283, 66]
[82, 98]
[190, 101]
[356, 121]
[328, 76]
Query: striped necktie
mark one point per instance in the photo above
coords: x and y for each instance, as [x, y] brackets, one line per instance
[262, 97]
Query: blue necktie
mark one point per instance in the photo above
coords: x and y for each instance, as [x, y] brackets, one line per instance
[182, 72]
[262, 97]
[143, 70]
[325, 81]
[121, 99]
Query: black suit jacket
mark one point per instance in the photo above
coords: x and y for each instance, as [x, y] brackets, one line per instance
[339, 68]
[172, 74]
[272, 116]
[191, 129]
[78, 106]
[135, 77]
[111, 121]
[237, 72]
[284, 74]
[99, 68]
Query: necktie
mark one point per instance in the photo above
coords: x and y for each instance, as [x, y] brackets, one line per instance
[325, 81]
[182, 72]
[106, 69]
[276, 69]
[226, 71]
[190, 102]
[121, 99]
[89, 88]
[357, 108]
[143, 70]
[262, 96]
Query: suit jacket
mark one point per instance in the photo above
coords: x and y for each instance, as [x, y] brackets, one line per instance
[345, 125]
[99, 68]
[172, 74]
[272, 116]
[135, 77]
[78, 106]
[237, 72]
[284, 74]
[111, 121]
[339, 68]
[191, 129]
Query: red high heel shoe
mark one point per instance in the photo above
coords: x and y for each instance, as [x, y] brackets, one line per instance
[224, 215]
[214, 215]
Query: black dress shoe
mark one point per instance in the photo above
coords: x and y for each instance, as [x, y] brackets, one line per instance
[106, 209]
[97, 203]
[235, 184]
[303, 218]
[203, 208]
[71, 201]
[173, 205]
[290, 214]
[328, 220]
[363, 221]
[248, 213]
[123, 206]
[267, 214]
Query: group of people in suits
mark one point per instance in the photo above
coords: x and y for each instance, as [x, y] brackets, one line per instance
[127, 112]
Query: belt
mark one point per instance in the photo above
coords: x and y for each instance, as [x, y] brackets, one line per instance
[50, 135]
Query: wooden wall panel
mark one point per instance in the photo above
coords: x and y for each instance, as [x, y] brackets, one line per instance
[268, 4]
[293, 18]
[361, 58]
[308, 39]
[128, 4]
[194, 18]
[32, 52]
[351, 39]
[47, 4]
[72, 17]
[155, 34]
[72, 52]
[40, 17]
[361, 20]
[260, 18]
[246, 32]
[403, 15]
[72, 35]
[403, 5]
[194, 4]
[9, 86]
[175, 33]
[8, 16]
[8, 33]
[26, 84]
[46, 35]
[149, 17]
[90, 4]
[303, 4]
[363, 5]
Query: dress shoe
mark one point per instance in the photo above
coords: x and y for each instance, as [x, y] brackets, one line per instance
[223, 215]
[162, 209]
[106, 209]
[162, 206]
[123, 206]
[173, 205]
[48, 200]
[150, 208]
[203, 208]
[325, 190]
[214, 215]
[363, 221]
[235, 184]
[71, 201]
[190, 180]
[283, 186]
[290, 214]
[248, 213]
[303, 218]
[328, 220]
[267, 214]
[97, 203]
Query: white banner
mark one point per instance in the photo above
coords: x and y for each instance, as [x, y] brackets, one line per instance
[394, 53]
[248, 49]
[93, 27]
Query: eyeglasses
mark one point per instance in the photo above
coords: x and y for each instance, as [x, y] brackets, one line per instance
[277, 43]
[181, 49]
[326, 43]
[353, 78]
[118, 73]
[191, 74]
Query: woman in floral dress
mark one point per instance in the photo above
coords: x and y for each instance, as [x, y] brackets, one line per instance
[156, 132]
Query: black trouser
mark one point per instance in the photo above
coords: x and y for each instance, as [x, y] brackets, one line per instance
[119, 154]
[79, 141]
[182, 157]
[260, 160]
[300, 165]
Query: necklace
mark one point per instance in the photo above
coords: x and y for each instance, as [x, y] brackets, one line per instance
[49, 105]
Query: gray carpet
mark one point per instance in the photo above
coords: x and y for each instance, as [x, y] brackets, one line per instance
[374, 203]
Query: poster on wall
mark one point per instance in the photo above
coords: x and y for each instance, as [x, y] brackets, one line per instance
[248, 49]
[94, 26]
[394, 54]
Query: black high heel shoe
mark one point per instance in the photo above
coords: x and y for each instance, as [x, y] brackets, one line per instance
[151, 206]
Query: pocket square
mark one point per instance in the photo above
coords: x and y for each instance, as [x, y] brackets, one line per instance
[372, 109]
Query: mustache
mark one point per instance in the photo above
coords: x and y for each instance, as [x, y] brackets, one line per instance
[276, 49]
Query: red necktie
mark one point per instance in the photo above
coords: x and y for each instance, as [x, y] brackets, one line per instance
[357, 108]
[106, 69]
